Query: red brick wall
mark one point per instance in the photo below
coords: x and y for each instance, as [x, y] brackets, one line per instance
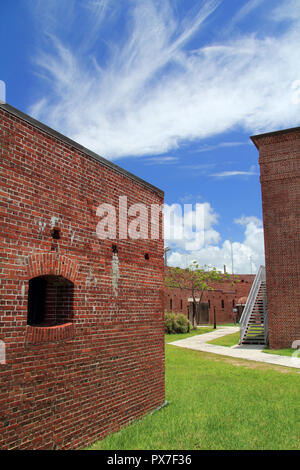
[224, 291]
[279, 157]
[67, 386]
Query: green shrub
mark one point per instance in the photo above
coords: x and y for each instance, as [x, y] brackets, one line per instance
[176, 323]
[169, 322]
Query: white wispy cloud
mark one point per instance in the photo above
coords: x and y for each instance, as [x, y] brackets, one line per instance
[226, 174]
[151, 91]
[244, 11]
[200, 167]
[188, 198]
[210, 148]
[287, 10]
[161, 160]
[204, 168]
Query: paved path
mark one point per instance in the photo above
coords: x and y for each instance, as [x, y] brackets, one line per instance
[249, 352]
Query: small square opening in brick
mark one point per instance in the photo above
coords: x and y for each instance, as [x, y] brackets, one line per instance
[50, 300]
[55, 234]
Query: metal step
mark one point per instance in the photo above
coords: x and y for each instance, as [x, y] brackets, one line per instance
[253, 328]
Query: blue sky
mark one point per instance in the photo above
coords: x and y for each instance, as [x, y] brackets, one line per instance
[169, 90]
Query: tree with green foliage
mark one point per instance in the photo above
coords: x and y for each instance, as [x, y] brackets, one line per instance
[197, 280]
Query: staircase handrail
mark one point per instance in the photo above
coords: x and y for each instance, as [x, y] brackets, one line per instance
[260, 276]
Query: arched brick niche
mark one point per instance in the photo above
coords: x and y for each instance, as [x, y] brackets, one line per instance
[50, 301]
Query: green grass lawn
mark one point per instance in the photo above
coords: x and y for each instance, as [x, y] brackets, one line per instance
[233, 339]
[220, 325]
[228, 340]
[218, 403]
[199, 331]
[281, 352]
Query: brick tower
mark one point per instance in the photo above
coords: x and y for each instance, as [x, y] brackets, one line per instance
[279, 158]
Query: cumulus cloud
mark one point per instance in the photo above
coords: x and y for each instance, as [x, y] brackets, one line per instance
[190, 227]
[247, 256]
[151, 90]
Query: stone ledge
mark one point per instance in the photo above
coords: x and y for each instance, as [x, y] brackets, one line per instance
[48, 334]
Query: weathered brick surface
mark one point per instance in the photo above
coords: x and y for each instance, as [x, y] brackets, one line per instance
[66, 386]
[176, 299]
[279, 158]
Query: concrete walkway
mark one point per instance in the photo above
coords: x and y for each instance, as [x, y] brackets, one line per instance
[249, 352]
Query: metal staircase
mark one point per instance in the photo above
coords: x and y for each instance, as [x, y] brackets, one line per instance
[254, 320]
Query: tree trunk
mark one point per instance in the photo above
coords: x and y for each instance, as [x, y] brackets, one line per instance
[194, 314]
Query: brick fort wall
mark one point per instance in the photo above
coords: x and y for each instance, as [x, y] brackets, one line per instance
[223, 298]
[65, 385]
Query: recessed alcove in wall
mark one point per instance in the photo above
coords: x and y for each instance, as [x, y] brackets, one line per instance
[50, 301]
